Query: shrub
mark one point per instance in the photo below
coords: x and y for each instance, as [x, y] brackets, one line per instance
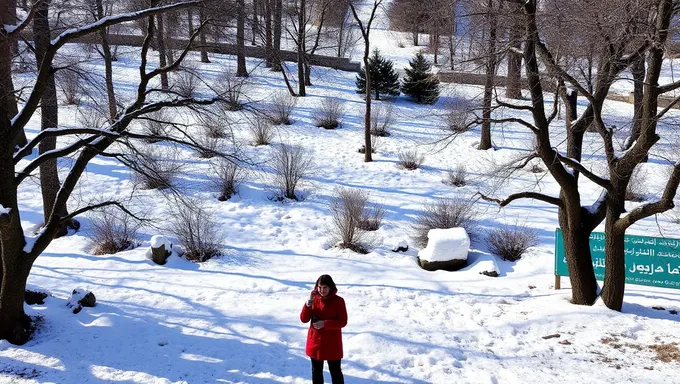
[112, 231]
[351, 219]
[186, 82]
[207, 147]
[510, 243]
[214, 124]
[69, 79]
[444, 214]
[281, 108]
[228, 176]
[91, 118]
[457, 177]
[536, 168]
[262, 132]
[196, 231]
[329, 115]
[381, 120]
[153, 169]
[155, 125]
[290, 164]
[232, 88]
[410, 159]
[459, 119]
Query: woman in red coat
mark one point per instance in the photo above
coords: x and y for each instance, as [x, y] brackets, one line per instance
[328, 316]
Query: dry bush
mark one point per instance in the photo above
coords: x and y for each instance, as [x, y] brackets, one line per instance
[155, 124]
[329, 115]
[351, 219]
[375, 144]
[207, 147]
[214, 124]
[262, 131]
[291, 164]
[69, 80]
[444, 214]
[410, 159]
[91, 118]
[281, 108]
[536, 168]
[510, 243]
[382, 119]
[459, 119]
[457, 177]
[196, 231]
[186, 82]
[232, 88]
[637, 189]
[228, 177]
[113, 231]
[153, 169]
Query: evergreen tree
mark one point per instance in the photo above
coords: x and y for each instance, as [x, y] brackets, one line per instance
[419, 82]
[384, 79]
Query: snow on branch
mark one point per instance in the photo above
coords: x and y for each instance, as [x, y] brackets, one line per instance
[521, 195]
[15, 30]
[55, 132]
[573, 163]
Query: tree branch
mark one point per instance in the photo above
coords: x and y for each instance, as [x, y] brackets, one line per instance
[25, 22]
[55, 132]
[604, 183]
[522, 195]
[96, 206]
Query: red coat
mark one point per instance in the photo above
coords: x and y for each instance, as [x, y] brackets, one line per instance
[325, 343]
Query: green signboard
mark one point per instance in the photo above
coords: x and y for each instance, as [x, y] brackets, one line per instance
[649, 260]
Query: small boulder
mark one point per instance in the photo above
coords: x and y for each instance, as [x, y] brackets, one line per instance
[81, 298]
[488, 268]
[400, 246]
[446, 249]
[161, 249]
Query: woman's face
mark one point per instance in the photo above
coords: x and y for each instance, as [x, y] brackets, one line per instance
[323, 290]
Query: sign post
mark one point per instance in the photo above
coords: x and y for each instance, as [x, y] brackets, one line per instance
[653, 261]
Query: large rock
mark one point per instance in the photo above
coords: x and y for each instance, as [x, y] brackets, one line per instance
[81, 298]
[446, 249]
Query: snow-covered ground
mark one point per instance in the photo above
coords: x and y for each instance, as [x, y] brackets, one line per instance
[235, 318]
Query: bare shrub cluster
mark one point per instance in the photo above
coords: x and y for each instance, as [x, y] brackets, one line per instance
[281, 107]
[154, 169]
[196, 231]
[457, 177]
[113, 231]
[228, 177]
[291, 164]
[155, 125]
[186, 82]
[214, 124]
[382, 120]
[510, 243]
[352, 218]
[232, 88]
[444, 214]
[70, 81]
[261, 131]
[329, 115]
[410, 159]
[207, 147]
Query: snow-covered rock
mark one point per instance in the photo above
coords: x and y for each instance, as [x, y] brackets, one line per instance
[160, 250]
[446, 249]
[488, 268]
[81, 298]
[400, 246]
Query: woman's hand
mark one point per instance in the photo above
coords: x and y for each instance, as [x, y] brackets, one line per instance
[312, 294]
[318, 325]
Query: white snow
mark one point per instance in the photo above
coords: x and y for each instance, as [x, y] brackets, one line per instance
[158, 240]
[4, 211]
[234, 319]
[446, 244]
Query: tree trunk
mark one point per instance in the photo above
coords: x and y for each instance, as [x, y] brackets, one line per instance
[241, 70]
[342, 30]
[485, 141]
[268, 41]
[49, 114]
[8, 12]
[638, 71]
[201, 37]
[160, 40]
[255, 25]
[514, 81]
[190, 21]
[580, 264]
[300, 48]
[108, 68]
[278, 14]
[614, 284]
[415, 36]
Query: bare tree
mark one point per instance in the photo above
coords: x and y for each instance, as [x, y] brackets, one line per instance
[18, 251]
[617, 48]
[366, 34]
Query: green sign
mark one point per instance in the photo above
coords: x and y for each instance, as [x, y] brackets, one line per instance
[649, 260]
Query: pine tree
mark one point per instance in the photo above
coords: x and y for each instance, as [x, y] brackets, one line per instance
[419, 82]
[384, 79]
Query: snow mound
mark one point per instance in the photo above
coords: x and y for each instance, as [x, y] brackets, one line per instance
[445, 245]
